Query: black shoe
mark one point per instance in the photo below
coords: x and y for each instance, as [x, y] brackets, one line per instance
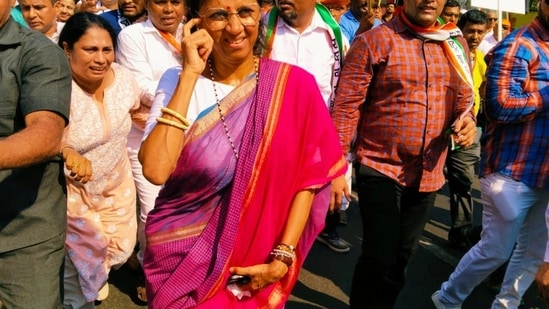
[473, 234]
[457, 238]
[334, 242]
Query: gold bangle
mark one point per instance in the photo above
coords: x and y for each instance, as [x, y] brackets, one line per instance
[172, 123]
[177, 115]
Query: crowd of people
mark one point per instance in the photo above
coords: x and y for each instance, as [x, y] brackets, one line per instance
[214, 141]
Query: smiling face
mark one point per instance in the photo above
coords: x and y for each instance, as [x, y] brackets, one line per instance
[65, 9]
[423, 13]
[166, 15]
[358, 7]
[235, 37]
[40, 15]
[91, 56]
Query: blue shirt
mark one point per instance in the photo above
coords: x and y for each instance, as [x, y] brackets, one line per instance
[349, 24]
[516, 142]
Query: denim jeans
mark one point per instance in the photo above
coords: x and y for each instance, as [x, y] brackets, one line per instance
[513, 213]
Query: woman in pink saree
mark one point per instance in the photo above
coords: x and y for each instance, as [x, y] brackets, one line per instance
[245, 175]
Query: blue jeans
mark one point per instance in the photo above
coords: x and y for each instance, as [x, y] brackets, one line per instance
[513, 213]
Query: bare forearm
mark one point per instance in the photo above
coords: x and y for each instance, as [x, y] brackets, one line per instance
[298, 216]
[38, 142]
[161, 149]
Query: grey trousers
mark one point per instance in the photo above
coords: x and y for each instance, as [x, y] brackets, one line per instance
[32, 277]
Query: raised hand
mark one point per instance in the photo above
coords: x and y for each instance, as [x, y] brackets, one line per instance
[196, 47]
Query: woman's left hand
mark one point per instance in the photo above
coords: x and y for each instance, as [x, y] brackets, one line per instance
[261, 275]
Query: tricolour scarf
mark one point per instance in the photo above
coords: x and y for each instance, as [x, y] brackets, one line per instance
[336, 44]
[446, 34]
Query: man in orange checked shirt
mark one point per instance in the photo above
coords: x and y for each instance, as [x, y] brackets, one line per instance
[405, 84]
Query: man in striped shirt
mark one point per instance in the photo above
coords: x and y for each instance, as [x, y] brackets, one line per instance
[404, 84]
[514, 169]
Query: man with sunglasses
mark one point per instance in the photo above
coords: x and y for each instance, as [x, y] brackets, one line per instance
[514, 173]
[490, 38]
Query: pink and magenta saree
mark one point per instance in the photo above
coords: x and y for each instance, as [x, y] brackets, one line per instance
[217, 211]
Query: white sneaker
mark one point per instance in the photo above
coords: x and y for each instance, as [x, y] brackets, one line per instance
[439, 305]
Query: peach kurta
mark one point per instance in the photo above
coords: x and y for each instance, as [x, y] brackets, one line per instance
[101, 214]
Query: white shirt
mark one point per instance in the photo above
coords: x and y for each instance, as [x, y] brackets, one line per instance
[55, 37]
[202, 98]
[143, 51]
[311, 50]
[488, 42]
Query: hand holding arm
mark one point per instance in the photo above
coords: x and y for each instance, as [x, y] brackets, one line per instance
[265, 274]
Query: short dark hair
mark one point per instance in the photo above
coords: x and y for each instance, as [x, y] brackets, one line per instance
[77, 25]
[452, 4]
[474, 17]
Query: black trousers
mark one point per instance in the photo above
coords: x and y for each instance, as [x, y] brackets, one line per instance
[393, 219]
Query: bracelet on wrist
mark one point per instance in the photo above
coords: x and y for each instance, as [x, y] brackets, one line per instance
[284, 253]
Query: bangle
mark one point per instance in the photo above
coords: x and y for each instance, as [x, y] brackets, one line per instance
[284, 258]
[63, 148]
[177, 115]
[172, 123]
[284, 253]
[288, 247]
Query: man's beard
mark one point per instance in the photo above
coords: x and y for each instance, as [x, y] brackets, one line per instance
[288, 16]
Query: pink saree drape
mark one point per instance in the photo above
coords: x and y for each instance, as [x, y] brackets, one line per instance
[216, 212]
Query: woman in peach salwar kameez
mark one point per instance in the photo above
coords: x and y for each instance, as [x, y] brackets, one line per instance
[101, 231]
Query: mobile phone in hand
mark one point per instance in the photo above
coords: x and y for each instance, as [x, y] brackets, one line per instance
[239, 279]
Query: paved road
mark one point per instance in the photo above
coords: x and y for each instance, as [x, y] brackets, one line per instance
[325, 280]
